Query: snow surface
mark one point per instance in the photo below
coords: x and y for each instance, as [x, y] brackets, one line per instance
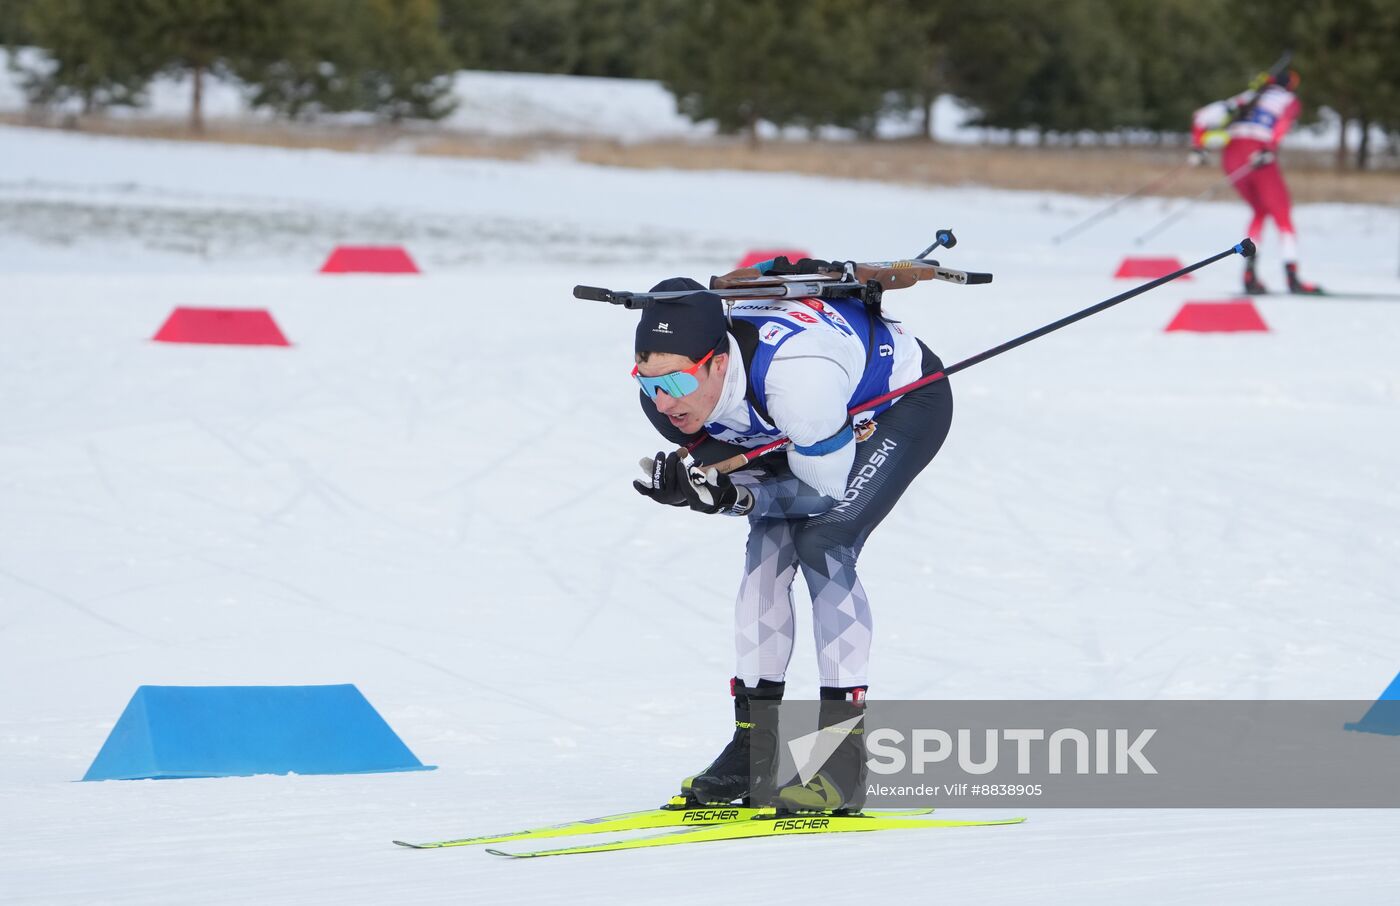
[427, 495]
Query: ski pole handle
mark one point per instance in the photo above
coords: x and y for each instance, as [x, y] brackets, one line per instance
[941, 239]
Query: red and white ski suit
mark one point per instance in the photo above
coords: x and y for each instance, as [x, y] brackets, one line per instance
[1259, 128]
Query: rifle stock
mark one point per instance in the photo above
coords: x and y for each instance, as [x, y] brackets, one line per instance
[889, 274]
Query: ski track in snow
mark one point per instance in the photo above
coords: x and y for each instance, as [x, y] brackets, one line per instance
[428, 495]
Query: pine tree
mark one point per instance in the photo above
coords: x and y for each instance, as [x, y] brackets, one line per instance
[13, 30]
[844, 79]
[1056, 68]
[386, 57]
[513, 35]
[617, 38]
[87, 55]
[205, 37]
[911, 40]
[404, 65]
[1088, 82]
[786, 62]
[1186, 54]
[306, 69]
[994, 53]
[1347, 53]
[723, 62]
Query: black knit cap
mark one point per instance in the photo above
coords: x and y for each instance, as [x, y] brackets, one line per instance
[690, 326]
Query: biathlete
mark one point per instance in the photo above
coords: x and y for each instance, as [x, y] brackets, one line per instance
[725, 379]
[1249, 127]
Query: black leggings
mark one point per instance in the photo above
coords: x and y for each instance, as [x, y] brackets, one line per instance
[907, 437]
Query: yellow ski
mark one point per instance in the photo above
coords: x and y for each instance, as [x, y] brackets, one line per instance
[766, 827]
[674, 814]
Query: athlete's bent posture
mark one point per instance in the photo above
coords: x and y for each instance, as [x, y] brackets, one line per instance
[739, 379]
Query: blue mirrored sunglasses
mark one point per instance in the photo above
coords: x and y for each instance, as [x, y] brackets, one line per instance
[676, 384]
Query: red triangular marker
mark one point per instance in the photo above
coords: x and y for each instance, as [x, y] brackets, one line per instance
[1218, 317]
[1149, 268]
[369, 259]
[753, 256]
[223, 326]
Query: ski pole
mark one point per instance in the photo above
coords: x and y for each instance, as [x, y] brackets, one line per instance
[1244, 248]
[1156, 183]
[1233, 177]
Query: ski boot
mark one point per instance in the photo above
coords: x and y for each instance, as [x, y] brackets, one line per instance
[744, 770]
[1298, 287]
[1253, 286]
[839, 784]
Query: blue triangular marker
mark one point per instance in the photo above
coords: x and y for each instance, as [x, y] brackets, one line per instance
[235, 731]
[1384, 716]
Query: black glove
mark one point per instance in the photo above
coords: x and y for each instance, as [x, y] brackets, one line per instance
[660, 483]
[782, 266]
[678, 480]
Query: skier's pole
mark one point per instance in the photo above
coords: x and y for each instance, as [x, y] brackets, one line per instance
[1156, 183]
[1245, 248]
[1233, 177]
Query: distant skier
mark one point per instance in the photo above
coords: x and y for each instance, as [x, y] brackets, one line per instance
[789, 367]
[1250, 126]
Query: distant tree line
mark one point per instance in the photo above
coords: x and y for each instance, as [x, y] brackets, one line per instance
[298, 57]
[1062, 70]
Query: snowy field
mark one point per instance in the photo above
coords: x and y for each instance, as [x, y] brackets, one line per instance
[427, 495]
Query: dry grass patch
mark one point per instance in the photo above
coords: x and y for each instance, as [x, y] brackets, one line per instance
[1094, 171]
[1089, 171]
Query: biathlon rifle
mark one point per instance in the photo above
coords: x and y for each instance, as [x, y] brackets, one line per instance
[1259, 83]
[810, 278]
